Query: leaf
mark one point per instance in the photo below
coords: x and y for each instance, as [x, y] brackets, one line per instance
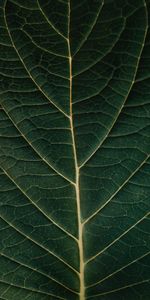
[75, 149]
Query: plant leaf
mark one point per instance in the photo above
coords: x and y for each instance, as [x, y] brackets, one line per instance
[75, 149]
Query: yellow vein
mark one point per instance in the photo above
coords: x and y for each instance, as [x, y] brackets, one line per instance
[36, 270]
[5, 291]
[77, 187]
[31, 77]
[49, 22]
[45, 50]
[117, 271]
[22, 5]
[120, 289]
[120, 110]
[39, 245]
[102, 56]
[35, 150]
[30, 289]
[90, 29]
[117, 239]
[117, 191]
[38, 208]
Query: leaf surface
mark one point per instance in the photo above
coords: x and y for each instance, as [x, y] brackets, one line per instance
[75, 149]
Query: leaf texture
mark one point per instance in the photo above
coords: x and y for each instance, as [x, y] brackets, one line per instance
[75, 149]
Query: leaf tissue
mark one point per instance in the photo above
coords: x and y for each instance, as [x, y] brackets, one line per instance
[74, 149]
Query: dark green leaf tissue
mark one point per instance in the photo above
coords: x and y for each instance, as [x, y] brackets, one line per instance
[74, 149]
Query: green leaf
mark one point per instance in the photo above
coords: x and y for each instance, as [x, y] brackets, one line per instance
[75, 149]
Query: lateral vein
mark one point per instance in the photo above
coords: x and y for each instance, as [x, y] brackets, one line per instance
[30, 289]
[38, 208]
[119, 289]
[36, 270]
[31, 77]
[39, 245]
[117, 271]
[35, 150]
[117, 191]
[49, 22]
[122, 106]
[118, 238]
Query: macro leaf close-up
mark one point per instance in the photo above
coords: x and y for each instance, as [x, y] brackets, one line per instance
[74, 149]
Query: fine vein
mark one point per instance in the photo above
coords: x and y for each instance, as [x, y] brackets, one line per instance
[119, 289]
[117, 191]
[123, 104]
[28, 237]
[120, 269]
[29, 73]
[30, 289]
[117, 239]
[22, 264]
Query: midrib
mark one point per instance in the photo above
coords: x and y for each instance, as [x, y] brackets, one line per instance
[77, 189]
[77, 171]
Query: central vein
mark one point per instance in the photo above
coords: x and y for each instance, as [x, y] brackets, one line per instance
[77, 188]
